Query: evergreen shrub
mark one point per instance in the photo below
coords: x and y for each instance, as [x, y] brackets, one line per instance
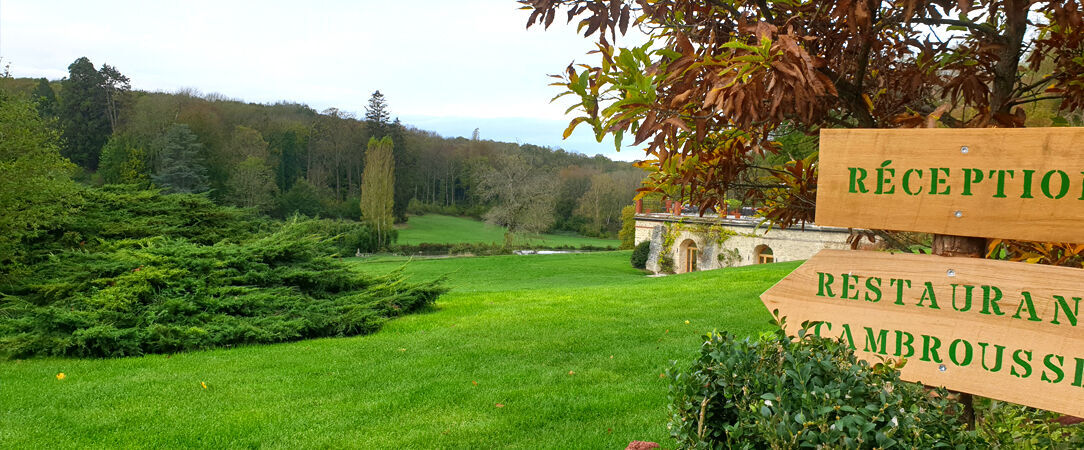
[640, 254]
[775, 392]
[137, 272]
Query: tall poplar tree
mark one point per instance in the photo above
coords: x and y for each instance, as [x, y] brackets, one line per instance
[378, 187]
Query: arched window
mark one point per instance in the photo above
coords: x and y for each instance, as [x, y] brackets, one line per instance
[764, 254]
[689, 255]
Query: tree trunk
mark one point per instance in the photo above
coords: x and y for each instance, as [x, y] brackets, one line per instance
[968, 247]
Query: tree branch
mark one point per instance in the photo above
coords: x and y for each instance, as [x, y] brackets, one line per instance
[1034, 99]
[765, 10]
[978, 27]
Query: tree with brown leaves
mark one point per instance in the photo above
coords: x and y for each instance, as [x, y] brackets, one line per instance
[716, 80]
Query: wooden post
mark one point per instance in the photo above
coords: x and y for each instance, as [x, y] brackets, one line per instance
[969, 247]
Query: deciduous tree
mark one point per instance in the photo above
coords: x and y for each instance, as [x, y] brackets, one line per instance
[252, 184]
[715, 80]
[117, 90]
[378, 188]
[522, 196]
[36, 189]
[123, 162]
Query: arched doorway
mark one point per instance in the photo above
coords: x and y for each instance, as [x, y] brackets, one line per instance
[689, 255]
[763, 254]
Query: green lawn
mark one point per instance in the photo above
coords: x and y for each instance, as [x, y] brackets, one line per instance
[571, 345]
[435, 228]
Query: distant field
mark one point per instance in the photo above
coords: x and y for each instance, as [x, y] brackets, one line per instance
[438, 229]
[539, 351]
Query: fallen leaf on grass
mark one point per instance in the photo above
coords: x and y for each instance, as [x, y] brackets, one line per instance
[61, 376]
[571, 372]
[686, 322]
[474, 383]
[402, 349]
[662, 375]
[500, 405]
[203, 384]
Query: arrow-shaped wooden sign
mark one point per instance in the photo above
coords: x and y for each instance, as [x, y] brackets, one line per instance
[998, 329]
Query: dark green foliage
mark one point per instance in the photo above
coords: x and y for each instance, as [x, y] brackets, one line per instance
[180, 168]
[83, 117]
[45, 99]
[640, 254]
[1005, 425]
[348, 237]
[123, 212]
[405, 165]
[303, 198]
[774, 392]
[377, 117]
[140, 272]
[123, 163]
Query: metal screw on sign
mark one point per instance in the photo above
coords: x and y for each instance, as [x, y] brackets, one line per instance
[942, 368]
[964, 149]
[951, 272]
[958, 214]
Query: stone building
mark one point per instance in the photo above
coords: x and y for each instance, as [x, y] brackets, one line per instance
[704, 243]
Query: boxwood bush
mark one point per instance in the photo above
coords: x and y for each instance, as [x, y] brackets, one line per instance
[775, 392]
[640, 254]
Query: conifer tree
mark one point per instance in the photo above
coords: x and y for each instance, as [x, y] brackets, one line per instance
[180, 169]
[377, 116]
[377, 189]
[83, 121]
[45, 98]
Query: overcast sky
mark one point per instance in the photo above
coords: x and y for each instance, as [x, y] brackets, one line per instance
[444, 65]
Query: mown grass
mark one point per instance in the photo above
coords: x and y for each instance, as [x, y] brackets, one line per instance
[572, 346]
[439, 229]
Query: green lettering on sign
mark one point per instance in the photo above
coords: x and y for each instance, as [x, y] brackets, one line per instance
[971, 176]
[858, 177]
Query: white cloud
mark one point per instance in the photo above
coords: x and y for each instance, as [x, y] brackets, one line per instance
[437, 58]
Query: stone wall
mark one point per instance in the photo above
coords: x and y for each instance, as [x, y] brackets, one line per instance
[734, 242]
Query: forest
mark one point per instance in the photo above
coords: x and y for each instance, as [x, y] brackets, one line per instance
[286, 158]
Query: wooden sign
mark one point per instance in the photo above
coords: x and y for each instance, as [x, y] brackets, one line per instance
[1025, 183]
[1004, 330]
